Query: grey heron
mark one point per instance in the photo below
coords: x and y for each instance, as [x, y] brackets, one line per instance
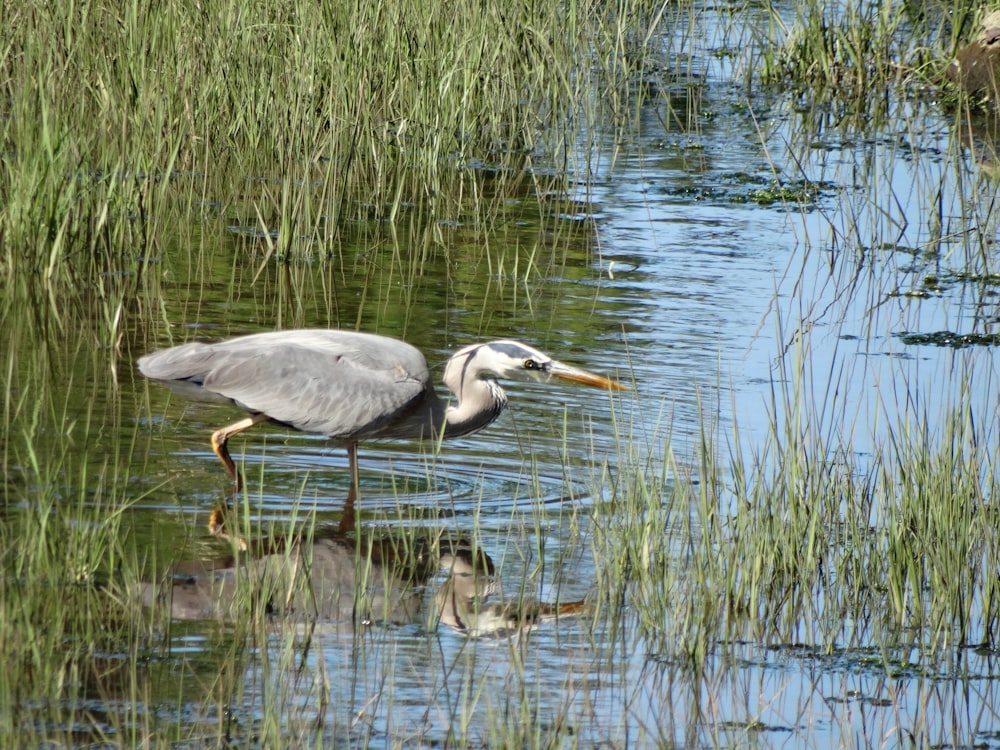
[352, 386]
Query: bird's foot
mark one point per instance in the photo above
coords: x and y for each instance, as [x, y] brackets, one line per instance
[265, 545]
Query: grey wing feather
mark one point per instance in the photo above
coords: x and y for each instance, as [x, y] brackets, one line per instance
[332, 383]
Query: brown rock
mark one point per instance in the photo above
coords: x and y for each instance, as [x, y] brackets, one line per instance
[976, 67]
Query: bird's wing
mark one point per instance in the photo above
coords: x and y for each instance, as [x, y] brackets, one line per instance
[330, 383]
[329, 394]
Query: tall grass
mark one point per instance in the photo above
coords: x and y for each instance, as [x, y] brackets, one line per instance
[801, 540]
[120, 121]
[857, 56]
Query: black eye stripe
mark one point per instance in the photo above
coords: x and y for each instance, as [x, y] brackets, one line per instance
[534, 364]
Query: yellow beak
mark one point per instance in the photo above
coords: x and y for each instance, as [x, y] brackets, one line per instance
[582, 377]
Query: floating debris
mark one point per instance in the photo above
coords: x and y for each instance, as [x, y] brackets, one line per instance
[951, 339]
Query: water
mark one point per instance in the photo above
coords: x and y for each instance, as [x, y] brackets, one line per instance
[672, 275]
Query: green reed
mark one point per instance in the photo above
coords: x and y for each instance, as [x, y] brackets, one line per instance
[858, 54]
[801, 540]
[65, 519]
[304, 118]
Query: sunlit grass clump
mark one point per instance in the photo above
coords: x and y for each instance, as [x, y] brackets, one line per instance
[801, 540]
[306, 117]
[858, 54]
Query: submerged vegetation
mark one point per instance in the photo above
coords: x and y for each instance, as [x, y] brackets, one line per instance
[428, 170]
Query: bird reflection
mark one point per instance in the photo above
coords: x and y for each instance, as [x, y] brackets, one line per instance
[350, 581]
[461, 602]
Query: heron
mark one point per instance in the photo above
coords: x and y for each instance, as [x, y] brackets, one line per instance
[352, 386]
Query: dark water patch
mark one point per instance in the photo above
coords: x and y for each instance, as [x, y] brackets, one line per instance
[737, 188]
[950, 339]
[755, 727]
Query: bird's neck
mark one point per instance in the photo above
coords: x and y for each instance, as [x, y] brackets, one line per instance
[478, 403]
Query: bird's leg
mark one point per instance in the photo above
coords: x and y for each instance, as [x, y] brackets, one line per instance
[347, 520]
[221, 437]
[352, 461]
[217, 519]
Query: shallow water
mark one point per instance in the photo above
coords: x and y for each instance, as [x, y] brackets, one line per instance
[670, 272]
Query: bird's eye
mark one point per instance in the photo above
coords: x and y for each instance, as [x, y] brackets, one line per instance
[530, 364]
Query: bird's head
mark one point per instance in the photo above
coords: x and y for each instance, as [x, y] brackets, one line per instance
[513, 360]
